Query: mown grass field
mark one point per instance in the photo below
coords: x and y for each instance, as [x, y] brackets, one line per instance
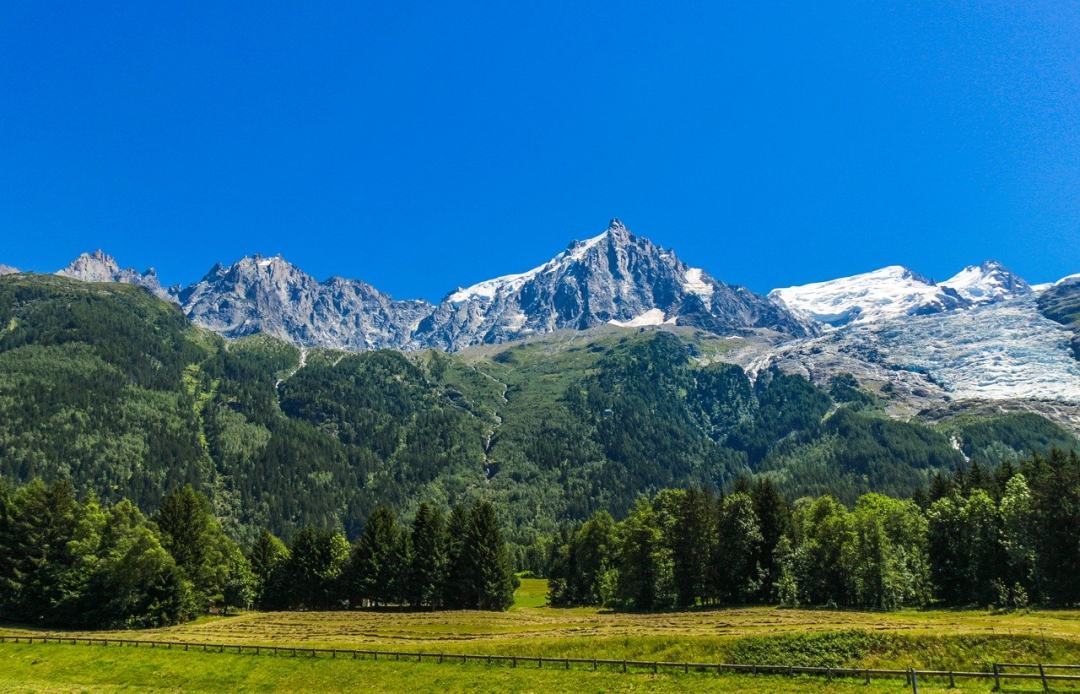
[960, 640]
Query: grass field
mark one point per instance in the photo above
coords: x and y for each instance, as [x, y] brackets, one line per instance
[960, 640]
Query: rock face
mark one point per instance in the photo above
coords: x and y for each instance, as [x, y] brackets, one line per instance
[270, 295]
[615, 277]
[101, 267]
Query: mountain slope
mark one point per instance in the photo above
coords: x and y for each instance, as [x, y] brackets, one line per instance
[615, 277]
[7, 269]
[272, 296]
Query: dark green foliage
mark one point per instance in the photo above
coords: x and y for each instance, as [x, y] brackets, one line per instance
[266, 555]
[583, 570]
[967, 548]
[427, 560]
[310, 578]
[489, 580]
[376, 562]
[207, 557]
[1008, 438]
[66, 563]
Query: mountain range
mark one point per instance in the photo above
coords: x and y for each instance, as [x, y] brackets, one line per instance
[615, 278]
[984, 334]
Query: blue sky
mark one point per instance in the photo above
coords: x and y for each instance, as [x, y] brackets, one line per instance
[422, 147]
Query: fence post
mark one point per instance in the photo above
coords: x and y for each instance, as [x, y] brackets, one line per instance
[624, 665]
[952, 680]
[914, 681]
[997, 678]
[567, 663]
[1042, 676]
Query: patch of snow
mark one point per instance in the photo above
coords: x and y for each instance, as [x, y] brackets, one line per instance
[693, 283]
[653, 316]
[516, 320]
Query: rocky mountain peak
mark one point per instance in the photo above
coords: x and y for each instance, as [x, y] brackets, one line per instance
[987, 282]
[99, 266]
[615, 277]
[7, 269]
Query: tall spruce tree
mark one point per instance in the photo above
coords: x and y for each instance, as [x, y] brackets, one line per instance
[691, 545]
[374, 567]
[427, 562]
[457, 589]
[487, 563]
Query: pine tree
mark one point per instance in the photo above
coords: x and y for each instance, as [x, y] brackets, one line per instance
[487, 564]
[373, 569]
[738, 547]
[691, 544]
[266, 555]
[427, 565]
[457, 589]
[639, 546]
[773, 519]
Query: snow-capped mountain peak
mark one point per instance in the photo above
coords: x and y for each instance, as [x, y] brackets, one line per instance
[7, 269]
[575, 252]
[615, 277]
[884, 293]
[987, 282]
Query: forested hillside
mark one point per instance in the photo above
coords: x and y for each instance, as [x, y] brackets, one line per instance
[109, 387]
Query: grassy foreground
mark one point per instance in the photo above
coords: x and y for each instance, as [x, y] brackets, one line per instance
[959, 640]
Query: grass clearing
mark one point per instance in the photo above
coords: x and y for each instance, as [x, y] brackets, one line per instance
[931, 639]
[59, 668]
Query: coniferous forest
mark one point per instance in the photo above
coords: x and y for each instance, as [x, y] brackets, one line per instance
[148, 469]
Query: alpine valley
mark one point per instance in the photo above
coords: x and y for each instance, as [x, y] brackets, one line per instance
[610, 371]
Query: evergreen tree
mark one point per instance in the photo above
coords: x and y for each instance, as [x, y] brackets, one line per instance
[208, 558]
[311, 575]
[691, 543]
[737, 549]
[457, 588]
[266, 555]
[773, 516]
[639, 548]
[487, 566]
[427, 565]
[373, 569]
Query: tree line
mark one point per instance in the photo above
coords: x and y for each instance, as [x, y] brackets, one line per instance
[1007, 538]
[81, 563]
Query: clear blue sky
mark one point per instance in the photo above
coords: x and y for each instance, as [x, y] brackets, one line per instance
[425, 146]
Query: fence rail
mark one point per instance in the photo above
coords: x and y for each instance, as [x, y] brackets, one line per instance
[998, 673]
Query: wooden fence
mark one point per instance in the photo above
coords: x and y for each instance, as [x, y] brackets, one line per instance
[1045, 673]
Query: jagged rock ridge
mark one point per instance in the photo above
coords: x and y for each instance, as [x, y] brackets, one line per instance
[615, 277]
[101, 267]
